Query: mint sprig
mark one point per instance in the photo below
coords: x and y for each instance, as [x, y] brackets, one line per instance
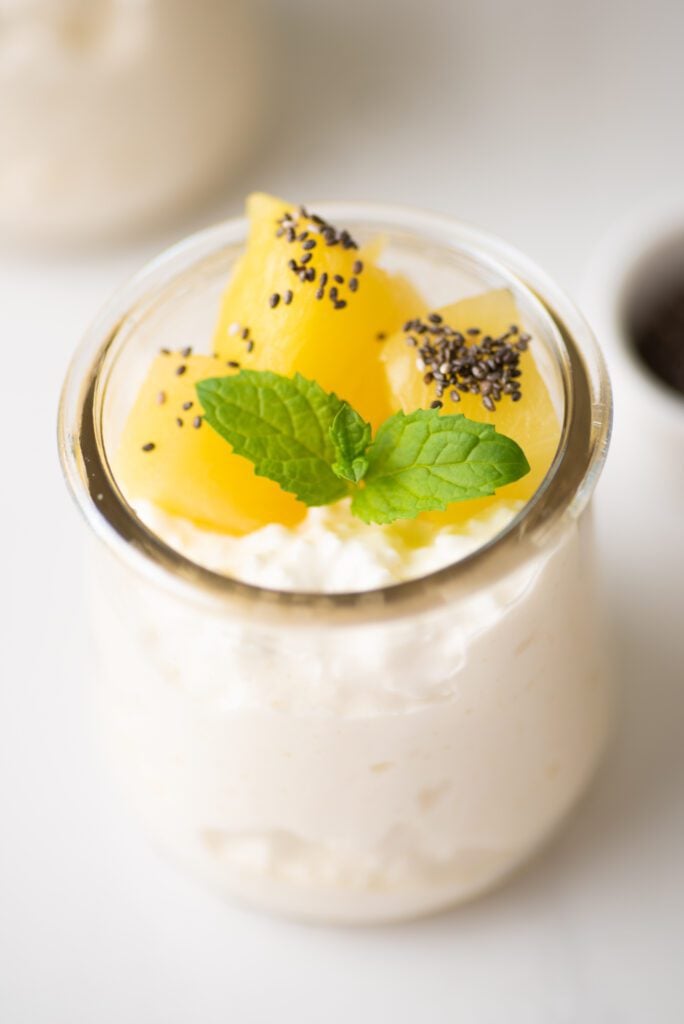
[317, 447]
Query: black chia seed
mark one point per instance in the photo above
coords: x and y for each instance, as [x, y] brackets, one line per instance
[487, 368]
[288, 227]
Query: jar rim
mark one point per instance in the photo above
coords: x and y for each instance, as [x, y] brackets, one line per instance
[91, 483]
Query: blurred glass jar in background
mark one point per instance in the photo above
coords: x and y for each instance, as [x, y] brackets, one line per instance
[115, 112]
[351, 757]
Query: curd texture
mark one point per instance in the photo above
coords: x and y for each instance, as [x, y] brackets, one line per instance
[359, 773]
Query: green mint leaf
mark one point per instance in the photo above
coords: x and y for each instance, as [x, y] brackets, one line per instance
[350, 436]
[282, 425]
[423, 462]
[317, 447]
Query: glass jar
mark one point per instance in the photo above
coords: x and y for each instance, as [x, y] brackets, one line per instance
[361, 756]
[156, 87]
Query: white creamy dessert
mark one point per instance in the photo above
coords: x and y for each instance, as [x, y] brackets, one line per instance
[391, 686]
[361, 773]
[331, 551]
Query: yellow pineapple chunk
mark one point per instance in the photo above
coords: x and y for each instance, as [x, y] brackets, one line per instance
[532, 421]
[326, 329]
[335, 318]
[190, 470]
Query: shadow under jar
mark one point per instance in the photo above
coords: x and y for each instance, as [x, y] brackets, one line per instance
[352, 757]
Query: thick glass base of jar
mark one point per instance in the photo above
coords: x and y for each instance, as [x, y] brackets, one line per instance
[377, 773]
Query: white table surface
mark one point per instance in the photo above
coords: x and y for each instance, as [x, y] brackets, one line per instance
[543, 122]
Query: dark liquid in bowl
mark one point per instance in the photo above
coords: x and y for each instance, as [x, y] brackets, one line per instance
[658, 335]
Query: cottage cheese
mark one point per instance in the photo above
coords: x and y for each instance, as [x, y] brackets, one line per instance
[360, 772]
[331, 551]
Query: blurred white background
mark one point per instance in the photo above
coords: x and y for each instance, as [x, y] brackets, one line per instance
[542, 121]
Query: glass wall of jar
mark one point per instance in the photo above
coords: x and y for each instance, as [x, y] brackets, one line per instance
[360, 756]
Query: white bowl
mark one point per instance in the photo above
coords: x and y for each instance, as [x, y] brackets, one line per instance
[634, 258]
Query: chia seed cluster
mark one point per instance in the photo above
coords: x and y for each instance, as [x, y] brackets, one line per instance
[313, 233]
[455, 362]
